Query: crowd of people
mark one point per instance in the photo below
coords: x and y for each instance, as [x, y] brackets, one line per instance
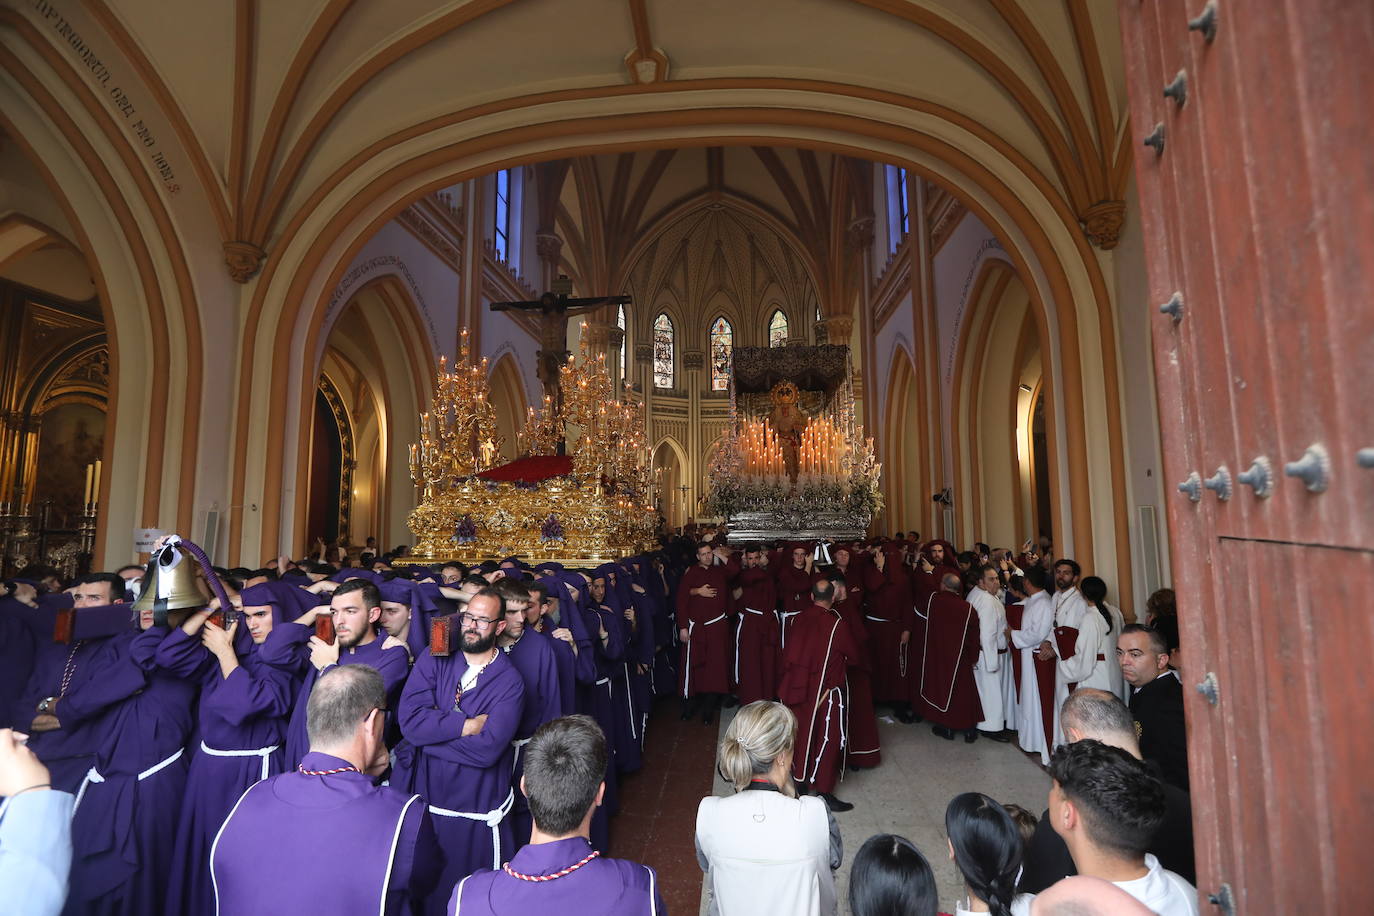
[456, 736]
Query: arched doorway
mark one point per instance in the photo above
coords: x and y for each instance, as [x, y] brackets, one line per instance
[507, 396]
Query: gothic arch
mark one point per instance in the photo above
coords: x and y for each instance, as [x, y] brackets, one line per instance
[998, 184]
[507, 395]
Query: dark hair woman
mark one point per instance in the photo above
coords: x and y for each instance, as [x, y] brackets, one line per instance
[985, 844]
[890, 877]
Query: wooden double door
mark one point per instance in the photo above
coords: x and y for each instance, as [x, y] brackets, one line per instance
[1257, 200]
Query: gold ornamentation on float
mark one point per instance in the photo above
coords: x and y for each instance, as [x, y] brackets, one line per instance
[602, 510]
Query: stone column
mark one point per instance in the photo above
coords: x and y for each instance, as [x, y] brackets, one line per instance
[549, 247]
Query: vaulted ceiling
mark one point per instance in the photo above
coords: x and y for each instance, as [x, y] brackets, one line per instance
[268, 101]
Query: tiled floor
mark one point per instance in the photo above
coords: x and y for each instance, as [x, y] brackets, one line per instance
[658, 805]
[908, 793]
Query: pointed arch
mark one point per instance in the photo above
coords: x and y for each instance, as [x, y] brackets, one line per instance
[722, 345]
[777, 328]
[665, 351]
[507, 394]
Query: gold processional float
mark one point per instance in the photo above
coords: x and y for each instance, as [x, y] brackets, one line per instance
[580, 493]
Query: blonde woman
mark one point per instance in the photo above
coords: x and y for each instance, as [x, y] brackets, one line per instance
[764, 850]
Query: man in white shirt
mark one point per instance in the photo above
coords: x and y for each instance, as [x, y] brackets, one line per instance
[1035, 720]
[1107, 807]
[992, 665]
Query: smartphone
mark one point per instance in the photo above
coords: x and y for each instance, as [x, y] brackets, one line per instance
[324, 627]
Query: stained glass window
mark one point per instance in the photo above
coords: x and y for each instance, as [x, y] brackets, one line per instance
[904, 220]
[722, 343]
[777, 329]
[502, 233]
[624, 337]
[663, 351]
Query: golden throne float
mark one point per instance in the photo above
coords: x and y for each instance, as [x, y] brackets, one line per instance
[581, 492]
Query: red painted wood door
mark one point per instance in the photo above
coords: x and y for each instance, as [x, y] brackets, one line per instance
[1258, 216]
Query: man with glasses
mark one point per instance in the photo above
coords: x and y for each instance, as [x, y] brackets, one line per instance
[459, 714]
[329, 803]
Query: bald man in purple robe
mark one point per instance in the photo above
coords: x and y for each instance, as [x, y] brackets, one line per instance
[559, 872]
[356, 608]
[242, 715]
[381, 854]
[459, 714]
[533, 657]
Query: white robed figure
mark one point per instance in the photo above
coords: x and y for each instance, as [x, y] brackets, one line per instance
[992, 666]
[1037, 620]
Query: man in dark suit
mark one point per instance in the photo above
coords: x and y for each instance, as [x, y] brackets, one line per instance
[1100, 715]
[1156, 701]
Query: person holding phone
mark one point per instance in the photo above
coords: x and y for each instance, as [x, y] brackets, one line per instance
[35, 830]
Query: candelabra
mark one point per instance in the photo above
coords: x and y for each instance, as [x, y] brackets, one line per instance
[458, 435]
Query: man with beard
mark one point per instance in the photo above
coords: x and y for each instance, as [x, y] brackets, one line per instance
[459, 714]
[813, 685]
[702, 598]
[935, 561]
[355, 607]
[947, 691]
[756, 630]
[330, 803]
[533, 657]
[794, 590]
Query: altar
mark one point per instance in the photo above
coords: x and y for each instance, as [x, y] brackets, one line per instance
[793, 463]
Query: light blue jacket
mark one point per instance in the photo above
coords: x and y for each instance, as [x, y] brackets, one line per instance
[35, 853]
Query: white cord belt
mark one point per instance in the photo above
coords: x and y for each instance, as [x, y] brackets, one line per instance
[264, 752]
[492, 819]
[877, 619]
[93, 776]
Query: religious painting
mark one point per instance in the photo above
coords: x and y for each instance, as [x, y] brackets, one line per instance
[72, 436]
[663, 351]
[722, 344]
[777, 329]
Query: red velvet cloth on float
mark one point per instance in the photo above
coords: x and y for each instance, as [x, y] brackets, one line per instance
[531, 469]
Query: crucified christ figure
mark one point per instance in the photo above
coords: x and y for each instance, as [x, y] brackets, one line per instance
[554, 311]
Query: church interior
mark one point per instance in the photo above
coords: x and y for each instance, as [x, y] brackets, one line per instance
[236, 239]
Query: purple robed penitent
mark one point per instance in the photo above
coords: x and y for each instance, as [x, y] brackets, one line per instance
[242, 727]
[534, 658]
[288, 647]
[67, 752]
[601, 887]
[125, 820]
[386, 837]
[465, 780]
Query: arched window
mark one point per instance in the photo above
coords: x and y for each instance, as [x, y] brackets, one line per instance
[777, 329]
[501, 231]
[663, 351]
[624, 338]
[722, 344]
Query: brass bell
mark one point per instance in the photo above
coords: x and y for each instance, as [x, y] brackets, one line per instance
[170, 584]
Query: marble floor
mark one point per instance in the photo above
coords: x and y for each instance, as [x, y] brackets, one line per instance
[908, 793]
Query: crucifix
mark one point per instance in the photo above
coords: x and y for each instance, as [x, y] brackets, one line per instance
[554, 311]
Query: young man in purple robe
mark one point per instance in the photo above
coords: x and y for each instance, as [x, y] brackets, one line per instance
[459, 714]
[125, 817]
[241, 720]
[355, 606]
[329, 803]
[565, 651]
[58, 669]
[559, 872]
[533, 657]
